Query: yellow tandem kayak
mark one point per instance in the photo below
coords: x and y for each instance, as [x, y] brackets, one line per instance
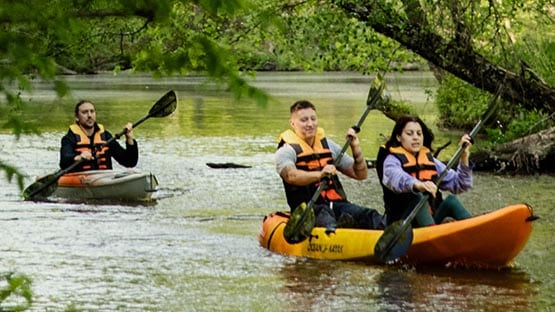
[490, 240]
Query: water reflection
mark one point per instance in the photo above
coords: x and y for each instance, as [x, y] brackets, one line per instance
[396, 291]
[331, 286]
[327, 286]
[198, 115]
[436, 289]
[309, 284]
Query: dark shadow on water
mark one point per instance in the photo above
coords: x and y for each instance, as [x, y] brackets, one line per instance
[167, 192]
[235, 217]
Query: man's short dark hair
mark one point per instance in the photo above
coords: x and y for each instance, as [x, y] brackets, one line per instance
[303, 104]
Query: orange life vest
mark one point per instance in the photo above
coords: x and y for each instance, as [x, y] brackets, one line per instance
[95, 147]
[421, 167]
[311, 158]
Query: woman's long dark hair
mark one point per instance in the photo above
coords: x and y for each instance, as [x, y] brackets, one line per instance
[400, 125]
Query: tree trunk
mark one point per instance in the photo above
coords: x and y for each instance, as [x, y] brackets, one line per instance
[454, 55]
[531, 154]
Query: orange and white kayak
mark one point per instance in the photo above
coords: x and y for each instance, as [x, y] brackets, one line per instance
[490, 240]
[128, 185]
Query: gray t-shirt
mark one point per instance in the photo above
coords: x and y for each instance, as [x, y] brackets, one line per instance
[286, 155]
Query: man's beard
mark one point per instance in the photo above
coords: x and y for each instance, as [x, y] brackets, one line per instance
[86, 126]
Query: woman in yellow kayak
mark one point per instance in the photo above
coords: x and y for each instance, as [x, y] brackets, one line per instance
[407, 168]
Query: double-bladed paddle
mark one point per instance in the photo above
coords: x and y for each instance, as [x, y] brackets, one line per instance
[397, 237]
[47, 185]
[302, 220]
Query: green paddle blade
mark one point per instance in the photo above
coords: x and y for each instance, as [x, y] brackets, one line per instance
[42, 188]
[300, 224]
[394, 242]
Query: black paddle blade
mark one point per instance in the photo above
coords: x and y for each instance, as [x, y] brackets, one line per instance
[42, 188]
[164, 106]
[300, 224]
[394, 242]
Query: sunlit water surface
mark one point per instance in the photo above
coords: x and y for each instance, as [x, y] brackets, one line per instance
[195, 247]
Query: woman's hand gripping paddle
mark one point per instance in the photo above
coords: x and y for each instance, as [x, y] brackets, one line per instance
[397, 237]
[47, 185]
[302, 220]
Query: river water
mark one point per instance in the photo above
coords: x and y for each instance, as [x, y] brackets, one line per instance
[195, 248]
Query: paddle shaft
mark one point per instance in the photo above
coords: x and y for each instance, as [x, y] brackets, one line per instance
[455, 158]
[124, 131]
[371, 100]
[322, 184]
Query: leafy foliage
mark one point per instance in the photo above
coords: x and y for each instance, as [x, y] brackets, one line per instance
[11, 172]
[460, 106]
[525, 123]
[16, 294]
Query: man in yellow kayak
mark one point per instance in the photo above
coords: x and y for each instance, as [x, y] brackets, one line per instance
[305, 158]
[84, 143]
